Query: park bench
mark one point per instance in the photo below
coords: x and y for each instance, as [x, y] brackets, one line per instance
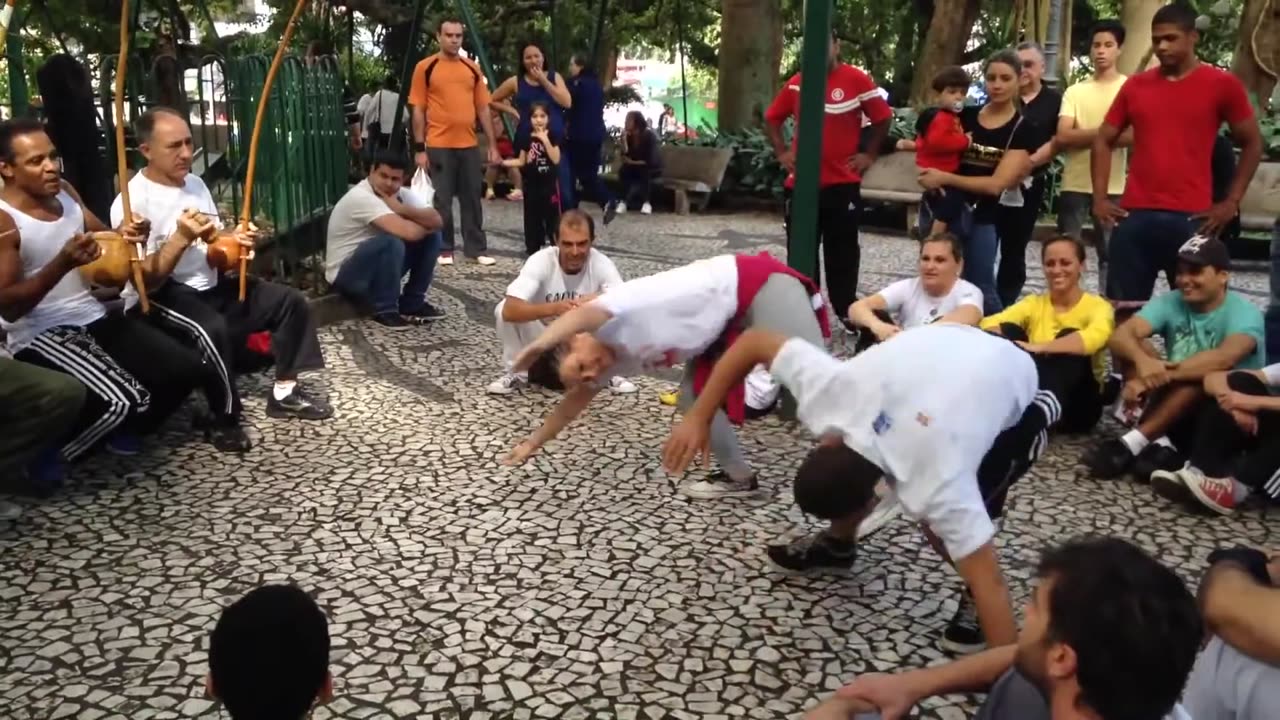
[698, 170]
[892, 179]
[1261, 203]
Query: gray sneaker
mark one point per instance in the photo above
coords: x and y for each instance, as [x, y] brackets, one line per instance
[719, 485]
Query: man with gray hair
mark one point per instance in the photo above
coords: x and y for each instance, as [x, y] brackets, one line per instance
[1040, 106]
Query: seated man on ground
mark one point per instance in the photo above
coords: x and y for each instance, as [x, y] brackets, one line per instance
[552, 282]
[1206, 328]
[949, 443]
[269, 656]
[936, 295]
[378, 233]
[686, 315]
[1237, 677]
[1066, 330]
[198, 303]
[1109, 634]
[1236, 447]
[136, 375]
[37, 408]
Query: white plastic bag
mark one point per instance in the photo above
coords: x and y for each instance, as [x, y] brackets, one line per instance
[422, 188]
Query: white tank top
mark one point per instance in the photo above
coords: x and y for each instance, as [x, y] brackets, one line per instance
[69, 302]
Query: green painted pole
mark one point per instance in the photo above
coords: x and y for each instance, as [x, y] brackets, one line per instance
[19, 96]
[406, 76]
[464, 6]
[803, 253]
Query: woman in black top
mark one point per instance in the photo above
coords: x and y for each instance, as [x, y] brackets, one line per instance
[997, 160]
[641, 163]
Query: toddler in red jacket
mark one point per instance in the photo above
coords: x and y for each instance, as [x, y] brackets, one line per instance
[941, 142]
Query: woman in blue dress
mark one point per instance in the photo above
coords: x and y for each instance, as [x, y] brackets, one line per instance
[537, 84]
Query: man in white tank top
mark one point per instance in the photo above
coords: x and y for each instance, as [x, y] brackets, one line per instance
[189, 296]
[136, 376]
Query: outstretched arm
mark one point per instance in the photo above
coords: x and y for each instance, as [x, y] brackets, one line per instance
[586, 318]
[1242, 611]
[570, 407]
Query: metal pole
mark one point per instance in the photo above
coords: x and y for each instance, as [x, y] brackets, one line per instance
[1052, 35]
[19, 102]
[351, 42]
[598, 33]
[684, 88]
[470, 18]
[406, 76]
[802, 254]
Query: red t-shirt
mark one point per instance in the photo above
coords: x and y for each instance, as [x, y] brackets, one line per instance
[943, 143]
[850, 94]
[1175, 124]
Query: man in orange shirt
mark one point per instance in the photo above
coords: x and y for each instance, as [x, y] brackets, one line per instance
[449, 95]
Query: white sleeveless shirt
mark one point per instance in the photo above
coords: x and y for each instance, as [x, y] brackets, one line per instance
[68, 302]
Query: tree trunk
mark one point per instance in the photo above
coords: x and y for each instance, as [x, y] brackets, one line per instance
[1136, 16]
[750, 53]
[1257, 52]
[949, 30]
[608, 69]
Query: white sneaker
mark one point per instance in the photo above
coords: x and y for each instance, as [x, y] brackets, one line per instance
[622, 207]
[646, 209]
[621, 385]
[445, 259]
[885, 512]
[506, 384]
[720, 485]
[484, 260]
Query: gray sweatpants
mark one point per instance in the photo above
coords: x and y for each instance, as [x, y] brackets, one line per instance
[457, 172]
[782, 305]
[1226, 684]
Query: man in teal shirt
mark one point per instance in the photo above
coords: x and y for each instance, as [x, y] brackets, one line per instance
[1206, 328]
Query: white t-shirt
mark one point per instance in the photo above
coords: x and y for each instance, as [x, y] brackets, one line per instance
[380, 107]
[162, 205]
[910, 306]
[542, 280]
[665, 319]
[351, 222]
[1272, 372]
[926, 422]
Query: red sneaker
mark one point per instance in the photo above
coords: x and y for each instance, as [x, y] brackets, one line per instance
[1216, 494]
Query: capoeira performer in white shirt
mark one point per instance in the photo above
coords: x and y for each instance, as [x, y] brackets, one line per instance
[686, 315]
[949, 415]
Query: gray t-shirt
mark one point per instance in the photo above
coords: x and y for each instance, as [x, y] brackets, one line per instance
[1013, 697]
[351, 222]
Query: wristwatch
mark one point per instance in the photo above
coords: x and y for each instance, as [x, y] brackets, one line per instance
[419, 147]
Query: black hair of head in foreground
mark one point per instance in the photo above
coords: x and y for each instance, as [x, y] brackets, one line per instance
[834, 482]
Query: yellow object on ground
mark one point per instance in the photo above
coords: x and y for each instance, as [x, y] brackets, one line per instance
[670, 397]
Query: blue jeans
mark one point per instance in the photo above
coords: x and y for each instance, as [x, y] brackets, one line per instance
[374, 271]
[981, 255]
[1144, 243]
[584, 165]
[1273, 307]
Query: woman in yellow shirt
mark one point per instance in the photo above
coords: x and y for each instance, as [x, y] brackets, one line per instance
[1067, 330]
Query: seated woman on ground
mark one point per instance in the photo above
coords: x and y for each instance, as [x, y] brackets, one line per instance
[937, 294]
[1067, 330]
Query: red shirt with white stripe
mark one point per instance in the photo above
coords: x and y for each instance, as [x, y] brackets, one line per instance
[851, 94]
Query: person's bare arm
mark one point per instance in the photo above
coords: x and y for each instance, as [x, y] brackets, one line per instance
[159, 265]
[428, 218]
[1248, 137]
[406, 230]
[419, 117]
[1044, 154]
[559, 91]
[553, 152]
[1233, 349]
[1215, 383]
[1243, 612]
[584, 318]
[963, 315]
[1014, 166]
[981, 572]
[18, 294]
[973, 674]
[863, 312]
[780, 149]
[1071, 137]
[575, 400]
[498, 99]
[1127, 340]
[516, 310]
[1106, 139]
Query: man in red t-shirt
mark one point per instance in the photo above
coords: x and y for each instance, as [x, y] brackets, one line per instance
[850, 95]
[1176, 111]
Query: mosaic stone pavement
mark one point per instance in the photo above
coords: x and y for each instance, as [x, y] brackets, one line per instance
[578, 586]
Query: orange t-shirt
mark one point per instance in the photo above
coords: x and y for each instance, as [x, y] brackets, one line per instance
[453, 97]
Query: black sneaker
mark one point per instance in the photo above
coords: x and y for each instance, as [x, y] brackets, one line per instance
[1155, 458]
[426, 311]
[392, 321]
[819, 551]
[298, 404]
[225, 434]
[1108, 460]
[963, 635]
[719, 485]
[610, 212]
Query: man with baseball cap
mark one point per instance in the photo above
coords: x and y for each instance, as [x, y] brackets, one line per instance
[1206, 329]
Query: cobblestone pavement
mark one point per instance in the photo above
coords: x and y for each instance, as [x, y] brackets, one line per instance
[578, 586]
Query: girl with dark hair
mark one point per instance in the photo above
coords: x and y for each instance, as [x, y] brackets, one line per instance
[586, 133]
[540, 161]
[537, 84]
[641, 163]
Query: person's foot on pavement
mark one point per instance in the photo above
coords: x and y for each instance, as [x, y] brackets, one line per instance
[298, 403]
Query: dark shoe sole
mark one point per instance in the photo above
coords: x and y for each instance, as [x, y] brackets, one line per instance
[1172, 489]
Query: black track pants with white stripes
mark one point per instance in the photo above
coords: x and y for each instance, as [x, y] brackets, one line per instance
[1015, 450]
[1221, 449]
[136, 375]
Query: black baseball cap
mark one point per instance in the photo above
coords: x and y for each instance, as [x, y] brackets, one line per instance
[1205, 251]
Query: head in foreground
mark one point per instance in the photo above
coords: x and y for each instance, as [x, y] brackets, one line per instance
[836, 482]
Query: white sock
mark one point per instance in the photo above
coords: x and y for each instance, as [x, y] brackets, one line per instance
[283, 389]
[1165, 441]
[1135, 441]
[1239, 490]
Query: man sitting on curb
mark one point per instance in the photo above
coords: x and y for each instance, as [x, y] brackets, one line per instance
[1109, 634]
[552, 282]
[378, 233]
[1206, 328]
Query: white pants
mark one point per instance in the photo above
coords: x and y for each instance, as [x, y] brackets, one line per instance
[514, 336]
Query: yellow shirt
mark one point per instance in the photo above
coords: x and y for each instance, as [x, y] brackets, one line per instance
[1088, 103]
[1092, 317]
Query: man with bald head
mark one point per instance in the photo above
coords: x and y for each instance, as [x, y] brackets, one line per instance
[199, 303]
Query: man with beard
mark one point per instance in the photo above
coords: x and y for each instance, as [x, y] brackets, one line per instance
[1109, 634]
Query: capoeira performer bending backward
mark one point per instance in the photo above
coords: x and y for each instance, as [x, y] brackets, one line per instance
[685, 315]
[947, 414]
